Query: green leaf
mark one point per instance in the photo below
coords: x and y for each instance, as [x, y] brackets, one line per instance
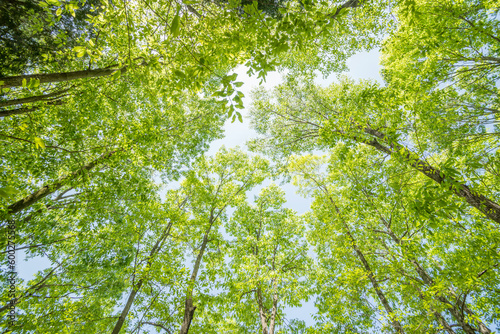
[39, 143]
[117, 74]
[179, 73]
[34, 83]
[59, 12]
[8, 191]
[175, 26]
[80, 51]
[240, 118]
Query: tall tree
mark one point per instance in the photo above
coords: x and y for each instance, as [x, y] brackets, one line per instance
[306, 116]
[211, 187]
[400, 241]
[268, 263]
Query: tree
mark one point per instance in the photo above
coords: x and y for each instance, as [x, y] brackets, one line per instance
[96, 244]
[211, 187]
[411, 254]
[31, 30]
[305, 117]
[268, 262]
[90, 149]
[103, 132]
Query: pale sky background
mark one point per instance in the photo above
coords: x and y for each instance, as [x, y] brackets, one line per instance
[364, 65]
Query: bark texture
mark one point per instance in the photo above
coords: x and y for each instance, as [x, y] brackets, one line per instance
[34, 197]
[126, 309]
[137, 286]
[485, 205]
[17, 81]
[26, 110]
[347, 4]
[31, 99]
[378, 290]
[262, 313]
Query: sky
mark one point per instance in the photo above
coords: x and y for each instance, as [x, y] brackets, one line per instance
[364, 65]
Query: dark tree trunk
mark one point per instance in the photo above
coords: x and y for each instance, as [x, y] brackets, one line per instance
[26, 110]
[442, 321]
[18, 111]
[189, 308]
[488, 207]
[262, 314]
[31, 99]
[345, 5]
[378, 290]
[156, 248]
[51, 188]
[17, 81]
[126, 309]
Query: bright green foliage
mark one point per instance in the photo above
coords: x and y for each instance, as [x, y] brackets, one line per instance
[442, 65]
[303, 117]
[419, 259]
[267, 267]
[32, 30]
[208, 190]
[398, 239]
[95, 253]
[114, 100]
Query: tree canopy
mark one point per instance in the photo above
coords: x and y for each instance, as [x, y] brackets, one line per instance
[108, 110]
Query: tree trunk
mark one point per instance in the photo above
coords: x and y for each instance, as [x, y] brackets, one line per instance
[258, 291]
[49, 189]
[17, 81]
[20, 111]
[262, 314]
[32, 99]
[380, 294]
[156, 248]
[347, 4]
[189, 308]
[489, 208]
[126, 309]
[442, 321]
[272, 322]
